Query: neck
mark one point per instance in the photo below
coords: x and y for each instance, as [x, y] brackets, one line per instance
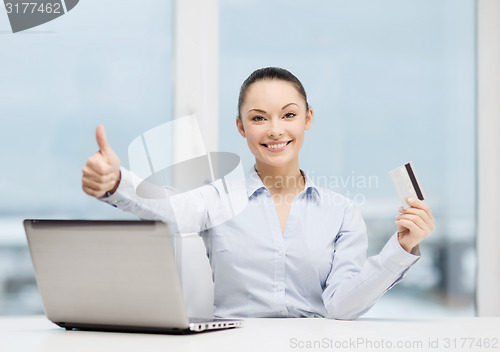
[284, 179]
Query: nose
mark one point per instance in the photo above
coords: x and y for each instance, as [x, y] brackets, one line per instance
[275, 129]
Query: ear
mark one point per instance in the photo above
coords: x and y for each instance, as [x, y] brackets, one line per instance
[309, 118]
[241, 128]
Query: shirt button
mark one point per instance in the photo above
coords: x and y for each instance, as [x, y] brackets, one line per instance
[280, 253]
[282, 313]
[279, 288]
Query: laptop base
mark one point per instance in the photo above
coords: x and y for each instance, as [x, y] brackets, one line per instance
[195, 326]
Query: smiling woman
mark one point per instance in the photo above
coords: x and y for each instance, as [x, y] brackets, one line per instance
[314, 238]
[273, 115]
[272, 125]
[390, 82]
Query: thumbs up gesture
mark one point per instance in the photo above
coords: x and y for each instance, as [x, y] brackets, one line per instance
[102, 171]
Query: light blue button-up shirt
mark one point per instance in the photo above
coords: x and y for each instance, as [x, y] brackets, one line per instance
[316, 268]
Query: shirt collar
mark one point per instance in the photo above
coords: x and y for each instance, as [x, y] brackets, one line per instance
[254, 183]
[310, 187]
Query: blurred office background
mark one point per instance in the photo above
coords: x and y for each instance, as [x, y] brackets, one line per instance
[390, 81]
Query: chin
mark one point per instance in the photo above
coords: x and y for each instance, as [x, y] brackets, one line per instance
[275, 163]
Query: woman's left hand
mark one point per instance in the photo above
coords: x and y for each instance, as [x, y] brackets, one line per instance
[414, 224]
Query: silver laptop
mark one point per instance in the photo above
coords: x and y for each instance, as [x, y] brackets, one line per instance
[111, 275]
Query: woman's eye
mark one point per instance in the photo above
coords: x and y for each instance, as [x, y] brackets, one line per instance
[290, 115]
[257, 118]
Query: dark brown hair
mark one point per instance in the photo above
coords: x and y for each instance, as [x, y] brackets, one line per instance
[270, 73]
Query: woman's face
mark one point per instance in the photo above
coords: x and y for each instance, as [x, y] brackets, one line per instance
[274, 117]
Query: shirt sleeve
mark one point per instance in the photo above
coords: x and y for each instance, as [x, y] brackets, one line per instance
[189, 211]
[355, 283]
[158, 206]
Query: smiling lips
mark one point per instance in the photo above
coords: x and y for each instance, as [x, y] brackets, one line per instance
[276, 146]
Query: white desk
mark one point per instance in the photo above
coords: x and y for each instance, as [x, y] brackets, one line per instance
[38, 334]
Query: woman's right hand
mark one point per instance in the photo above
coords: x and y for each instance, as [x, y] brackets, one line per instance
[102, 171]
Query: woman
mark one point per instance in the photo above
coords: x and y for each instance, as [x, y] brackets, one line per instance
[296, 250]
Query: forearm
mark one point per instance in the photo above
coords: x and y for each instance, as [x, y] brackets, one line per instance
[185, 212]
[125, 198]
[352, 294]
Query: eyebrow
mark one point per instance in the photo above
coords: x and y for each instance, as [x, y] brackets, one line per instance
[283, 108]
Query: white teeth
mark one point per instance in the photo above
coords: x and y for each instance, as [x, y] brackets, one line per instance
[276, 146]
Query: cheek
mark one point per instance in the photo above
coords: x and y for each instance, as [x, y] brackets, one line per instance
[252, 142]
[298, 133]
[253, 134]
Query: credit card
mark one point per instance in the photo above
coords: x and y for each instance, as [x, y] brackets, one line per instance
[406, 182]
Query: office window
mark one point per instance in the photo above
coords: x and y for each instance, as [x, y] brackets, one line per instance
[101, 63]
[390, 82]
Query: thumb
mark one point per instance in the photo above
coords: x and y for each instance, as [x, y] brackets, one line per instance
[101, 140]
